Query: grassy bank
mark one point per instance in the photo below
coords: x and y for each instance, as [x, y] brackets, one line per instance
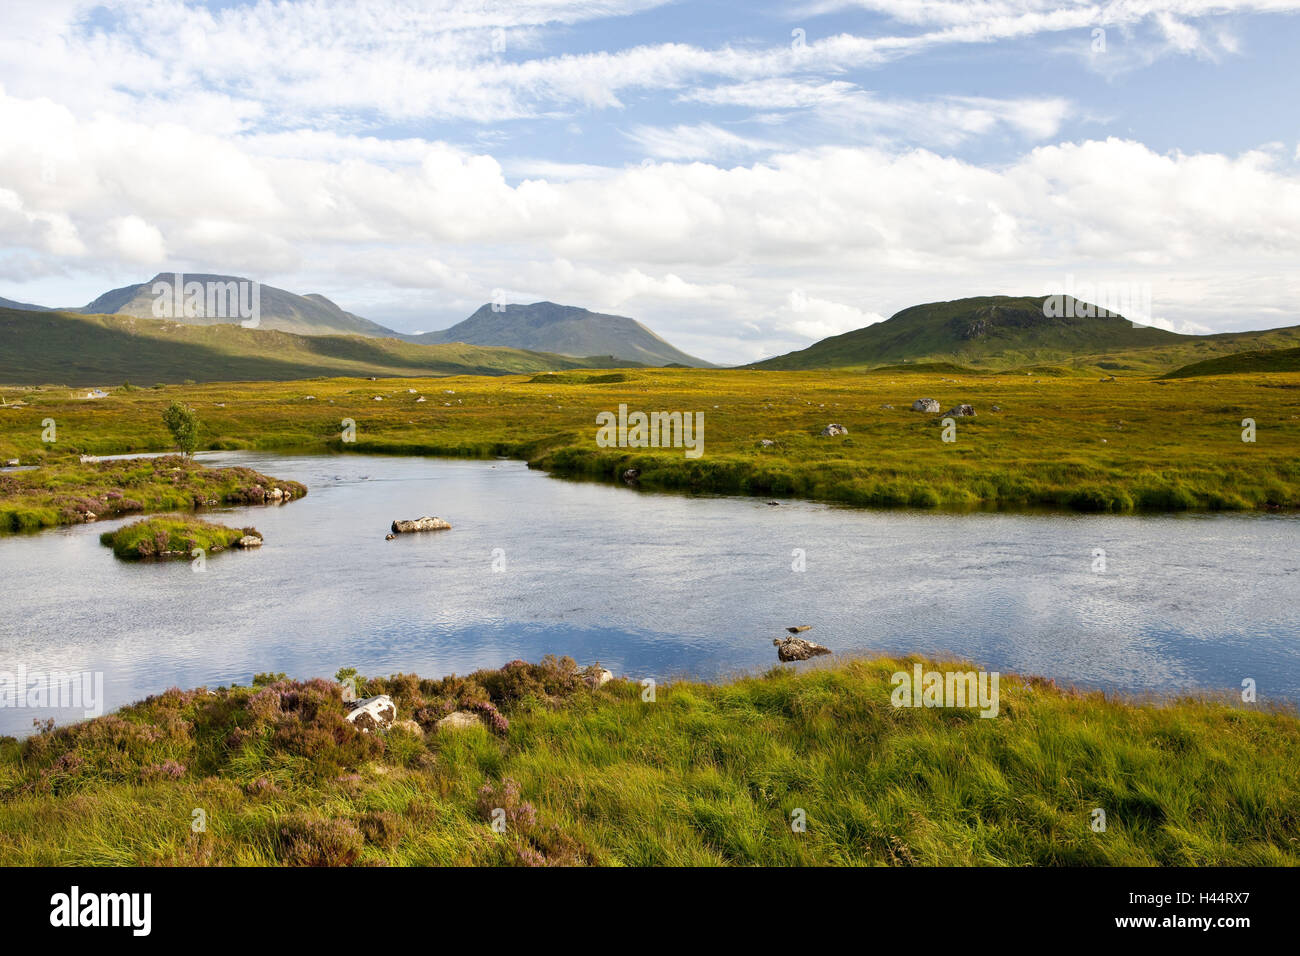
[173, 537]
[65, 490]
[1060, 439]
[701, 775]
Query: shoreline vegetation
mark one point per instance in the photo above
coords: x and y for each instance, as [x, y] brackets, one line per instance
[65, 490]
[176, 537]
[575, 769]
[1057, 440]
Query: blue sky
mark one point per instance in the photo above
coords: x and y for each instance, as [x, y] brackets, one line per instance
[744, 178]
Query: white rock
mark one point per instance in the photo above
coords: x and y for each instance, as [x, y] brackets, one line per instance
[373, 713]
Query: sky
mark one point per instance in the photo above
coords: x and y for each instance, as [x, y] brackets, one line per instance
[744, 177]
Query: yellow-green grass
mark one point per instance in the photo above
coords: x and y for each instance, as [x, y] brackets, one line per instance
[1060, 440]
[65, 490]
[702, 775]
[172, 537]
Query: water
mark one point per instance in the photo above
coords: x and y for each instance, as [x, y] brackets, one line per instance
[650, 585]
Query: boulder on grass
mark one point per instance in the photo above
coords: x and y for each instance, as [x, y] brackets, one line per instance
[961, 411]
[373, 713]
[833, 429]
[926, 405]
[460, 720]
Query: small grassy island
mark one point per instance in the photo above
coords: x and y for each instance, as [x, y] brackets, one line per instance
[70, 491]
[176, 537]
[583, 769]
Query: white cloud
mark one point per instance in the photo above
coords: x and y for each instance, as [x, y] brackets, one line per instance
[704, 141]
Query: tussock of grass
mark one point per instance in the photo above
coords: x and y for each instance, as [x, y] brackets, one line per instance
[172, 537]
[704, 775]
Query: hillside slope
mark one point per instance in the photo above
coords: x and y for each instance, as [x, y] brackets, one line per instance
[22, 306]
[77, 349]
[564, 329]
[1242, 363]
[1008, 332]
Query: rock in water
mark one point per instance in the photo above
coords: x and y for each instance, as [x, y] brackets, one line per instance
[926, 405]
[831, 430]
[799, 628]
[250, 541]
[373, 713]
[631, 475]
[797, 649]
[420, 524]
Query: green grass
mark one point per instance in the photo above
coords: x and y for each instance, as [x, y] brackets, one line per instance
[1059, 441]
[172, 537]
[1269, 360]
[66, 491]
[706, 774]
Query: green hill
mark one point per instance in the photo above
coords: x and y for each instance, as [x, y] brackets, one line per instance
[565, 329]
[1266, 360]
[1009, 332]
[74, 349]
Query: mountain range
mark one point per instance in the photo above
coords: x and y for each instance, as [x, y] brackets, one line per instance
[116, 337]
[541, 326]
[75, 349]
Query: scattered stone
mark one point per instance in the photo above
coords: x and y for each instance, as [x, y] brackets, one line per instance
[799, 628]
[996, 408]
[960, 411]
[460, 720]
[597, 676]
[797, 649]
[766, 443]
[774, 502]
[390, 536]
[888, 407]
[409, 726]
[631, 475]
[372, 713]
[926, 405]
[420, 399]
[12, 463]
[833, 429]
[249, 541]
[420, 524]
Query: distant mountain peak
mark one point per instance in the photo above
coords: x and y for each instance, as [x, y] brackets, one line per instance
[563, 329]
